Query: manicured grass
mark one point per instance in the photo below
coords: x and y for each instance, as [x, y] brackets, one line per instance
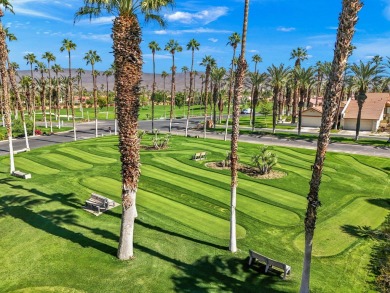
[182, 229]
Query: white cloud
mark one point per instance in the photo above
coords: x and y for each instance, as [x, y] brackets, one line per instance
[213, 40]
[285, 29]
[253, 51]
[308, 47]
[157, 56]
[204, 16]
[24, 11]
[98, 37]
[200, 30]
[98, 20]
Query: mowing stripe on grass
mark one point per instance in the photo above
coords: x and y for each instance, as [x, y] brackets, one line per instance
[108, 150]
[48, 289]
[85, 156]
[363, 169]
[257, 209]
[188, 216]
[274, 194]
[30, 166]
[65, 162]
[303, 172]
[331, 236]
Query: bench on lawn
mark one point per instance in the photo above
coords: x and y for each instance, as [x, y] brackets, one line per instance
[269, 263]
[199, 156]
[99, 203]
[21, 174]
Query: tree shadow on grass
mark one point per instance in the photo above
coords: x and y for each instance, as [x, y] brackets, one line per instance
[218, 274]
[50, 221]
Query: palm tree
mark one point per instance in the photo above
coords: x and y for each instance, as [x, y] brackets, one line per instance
[57, 69]
[256, 80]
[238, 88]
[128, 66]
[32, 59]
[4, 81]
[278, 79]
[107, 73]
[217, 75]
[208, 62]
[49, 57]
[192, 45]
[68, 45]
[255, 59]
[153, 46]
[299, 54]
[304, 78]
[80, 71]
[347, 21]
[41, 67]
[364, 76]
[184, 69]
[164, 75]
[234, 40]
[172, 47]
[91, 57]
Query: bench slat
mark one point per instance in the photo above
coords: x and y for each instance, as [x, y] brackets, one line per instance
[269, 262]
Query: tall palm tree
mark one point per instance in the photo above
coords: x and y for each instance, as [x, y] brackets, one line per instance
[5, 92]
[57, 69]
[68, 45]
[299, 54]
[184, 69]
[256, 80]
[305, 78]
[153, 46]
[278, 79]
[234, 40]
[172, 47]
[192, 45]
[208, 62]
[41, 67]
[32, 59]
[346, 29]
[255, 59]
[217, 75]
[238, 88]
[91, 57]
[128, 71]
[164, 75]
[80, 71]
[49, 57]
[365, 75]
[107, 73]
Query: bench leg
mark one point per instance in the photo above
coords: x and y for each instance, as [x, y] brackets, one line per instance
[250, 260]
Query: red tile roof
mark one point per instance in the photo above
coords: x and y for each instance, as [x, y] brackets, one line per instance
[372, 107]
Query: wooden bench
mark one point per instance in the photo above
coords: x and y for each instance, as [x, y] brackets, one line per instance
[269, 263]
[199, 156]
[98, 203]
[21, 174]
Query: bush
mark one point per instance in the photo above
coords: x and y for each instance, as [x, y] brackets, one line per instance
[227, 161]
[2, 136]
[264, 160]
[17, 127]
[160, 142]
[38, 132]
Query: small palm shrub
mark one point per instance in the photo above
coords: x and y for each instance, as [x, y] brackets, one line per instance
[227, 161]
[160, 142]
[265, 160]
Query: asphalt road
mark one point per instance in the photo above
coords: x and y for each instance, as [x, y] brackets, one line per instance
[87, 130]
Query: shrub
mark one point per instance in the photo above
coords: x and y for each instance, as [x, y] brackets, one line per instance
[160, 142]
[38, 132]
[2, 136]
[227, 161]
[17, 127]
[264, 160]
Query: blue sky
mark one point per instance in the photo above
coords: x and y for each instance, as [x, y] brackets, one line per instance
[275, 28]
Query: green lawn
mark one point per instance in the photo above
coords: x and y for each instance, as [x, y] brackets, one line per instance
[50, 244]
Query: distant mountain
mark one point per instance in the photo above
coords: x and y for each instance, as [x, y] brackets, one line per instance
[147, 79]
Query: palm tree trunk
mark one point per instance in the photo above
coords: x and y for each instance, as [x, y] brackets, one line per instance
[50, 102]
[95, 100]
[153, 91]
[6, 98]
[275, 108]
[294, 105]
[238, 88]
[172, 92]
[205, 99]
[358, 121]
[348, 19]
[14, 86]
[255, 98]
[127, 39]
